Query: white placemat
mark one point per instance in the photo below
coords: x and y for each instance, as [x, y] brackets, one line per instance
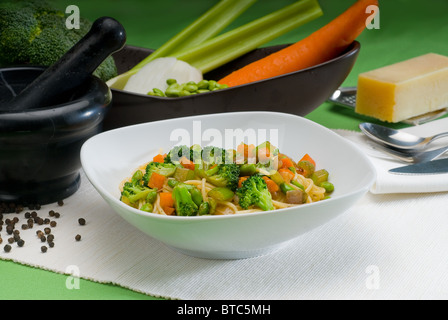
[386, 247]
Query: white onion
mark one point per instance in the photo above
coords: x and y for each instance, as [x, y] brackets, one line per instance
[157, 72]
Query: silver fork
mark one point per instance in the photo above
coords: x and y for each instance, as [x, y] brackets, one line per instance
[346, 97]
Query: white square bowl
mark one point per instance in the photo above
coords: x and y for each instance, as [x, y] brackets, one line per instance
[112, 156]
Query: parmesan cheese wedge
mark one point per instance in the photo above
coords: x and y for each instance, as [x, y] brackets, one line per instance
[404, 90]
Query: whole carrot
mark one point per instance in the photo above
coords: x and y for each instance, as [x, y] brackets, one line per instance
[322, 45]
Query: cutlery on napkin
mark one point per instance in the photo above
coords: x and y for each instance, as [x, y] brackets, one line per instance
[387, 182]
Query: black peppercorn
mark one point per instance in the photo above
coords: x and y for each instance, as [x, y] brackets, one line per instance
[78, 237]
[43, 249]
[82, 221]
[7, 248]
[21, 243]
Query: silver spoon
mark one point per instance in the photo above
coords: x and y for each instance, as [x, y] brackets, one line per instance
[396, 138]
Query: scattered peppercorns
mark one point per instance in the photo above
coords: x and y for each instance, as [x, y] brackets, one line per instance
[32, 218]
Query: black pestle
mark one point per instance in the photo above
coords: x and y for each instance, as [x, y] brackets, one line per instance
[104, 38]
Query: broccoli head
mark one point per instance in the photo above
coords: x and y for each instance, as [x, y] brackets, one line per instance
[165, 169]
[34, 32]
[132, 193]
[221, 175]
[183, 201]
[254, 191]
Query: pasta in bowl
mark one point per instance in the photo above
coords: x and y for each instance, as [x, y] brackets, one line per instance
[196, 181]
[233, 225]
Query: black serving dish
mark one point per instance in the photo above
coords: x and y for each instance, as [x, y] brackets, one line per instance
[40, 148]
[297, 93]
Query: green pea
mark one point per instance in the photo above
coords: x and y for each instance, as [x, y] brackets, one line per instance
[173, 91]
[328, 186]
[185, 93]
[191, 88]
[203, 84]
[171, 82]
[158, 92]
[203, 90]
[204, 209]
[152, 196]
[212, 85]
[196, 196]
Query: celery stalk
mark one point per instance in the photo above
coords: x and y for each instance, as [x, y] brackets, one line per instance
[216, 52]
[204, 28]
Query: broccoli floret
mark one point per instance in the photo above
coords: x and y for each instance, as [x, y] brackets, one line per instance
[183, 201]
[34, 32]
[254, 191]
[133, 193]
[221, 175]
[165, 169]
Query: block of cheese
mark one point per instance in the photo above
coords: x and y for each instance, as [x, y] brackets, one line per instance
[404, 90]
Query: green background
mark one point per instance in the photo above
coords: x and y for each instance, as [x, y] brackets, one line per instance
[408, 28]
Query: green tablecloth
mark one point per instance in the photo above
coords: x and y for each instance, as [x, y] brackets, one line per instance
[408, 28]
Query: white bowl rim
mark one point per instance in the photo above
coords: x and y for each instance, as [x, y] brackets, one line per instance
[116, 201]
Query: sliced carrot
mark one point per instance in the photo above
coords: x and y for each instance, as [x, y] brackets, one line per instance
[241, 180]
[321, 46]
[168, 210]
[308, 158]
[286, 174]
[159, 158]
[156, 181]
[287, 163]
[272, 186]
[166, 200]
[187, 163]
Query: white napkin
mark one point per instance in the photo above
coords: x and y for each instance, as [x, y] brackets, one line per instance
[392, 183]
